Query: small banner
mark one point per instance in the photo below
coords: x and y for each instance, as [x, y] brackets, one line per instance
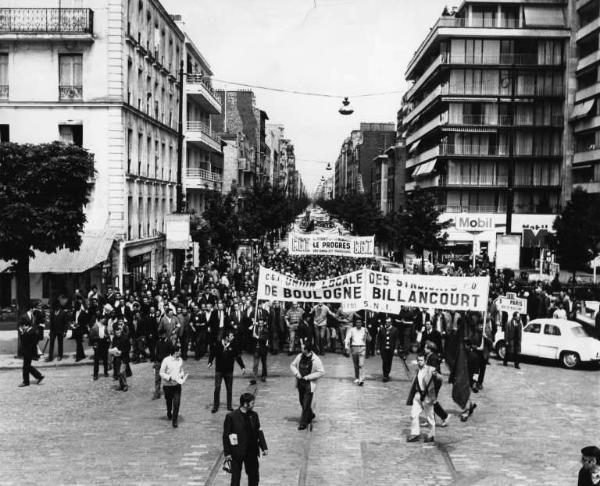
[323, 244]
[379, 292]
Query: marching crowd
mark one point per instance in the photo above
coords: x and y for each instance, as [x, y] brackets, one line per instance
[214, 312]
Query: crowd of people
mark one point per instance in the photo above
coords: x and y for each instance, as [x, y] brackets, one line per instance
[213, 312]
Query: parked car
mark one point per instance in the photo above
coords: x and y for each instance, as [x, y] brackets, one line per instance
[555, 339]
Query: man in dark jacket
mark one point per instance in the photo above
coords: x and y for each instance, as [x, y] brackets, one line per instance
[225, 352]
[80, 328]
[29, 339]
[243, 440]
[59, 323]
[120, 348]
[388, 339]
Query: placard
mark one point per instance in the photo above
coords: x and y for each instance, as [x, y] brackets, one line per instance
[324, 244]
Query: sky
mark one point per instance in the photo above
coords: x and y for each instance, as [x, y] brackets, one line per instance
[336, 47]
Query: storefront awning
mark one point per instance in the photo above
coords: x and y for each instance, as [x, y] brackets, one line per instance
[95, 247]
[581, 110]
[424, 169]
[544, 16]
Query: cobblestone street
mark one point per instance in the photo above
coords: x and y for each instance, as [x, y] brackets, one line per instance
[528, 429]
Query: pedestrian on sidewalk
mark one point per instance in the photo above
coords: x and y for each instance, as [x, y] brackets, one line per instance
[388, 340]
[307, 368]
[590, 459]
[100, 342]
[243, 439]
[59, 323]
[225, 352]
[28, 335]
[80, 328]
[171, 372]
[262, 337]
[422, 399]
[356, 344]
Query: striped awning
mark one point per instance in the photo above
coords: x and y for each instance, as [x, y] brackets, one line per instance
[581, 110]
[95, 247]
[424, 169]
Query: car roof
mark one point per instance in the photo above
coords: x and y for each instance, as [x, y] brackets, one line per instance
[556, 322]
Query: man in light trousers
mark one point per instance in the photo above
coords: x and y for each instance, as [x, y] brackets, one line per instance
[422, 398]
[356, 345]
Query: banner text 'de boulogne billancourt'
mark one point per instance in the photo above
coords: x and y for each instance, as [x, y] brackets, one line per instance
[380, 292]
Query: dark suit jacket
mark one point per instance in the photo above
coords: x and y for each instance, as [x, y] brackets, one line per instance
[29, 339]
[59, 321]
[394, 336]
[80, 326]
[235, 424]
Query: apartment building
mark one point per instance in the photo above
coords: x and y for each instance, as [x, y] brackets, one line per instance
[484, 121]
[585, 117]
[203, 148]
[102, 74]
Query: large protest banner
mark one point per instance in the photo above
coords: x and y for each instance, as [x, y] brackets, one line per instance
[346, 288]
[379, 292]
[387, 292]
[349, 246]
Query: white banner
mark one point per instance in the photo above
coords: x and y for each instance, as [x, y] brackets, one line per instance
[378, 291]
[349, 246]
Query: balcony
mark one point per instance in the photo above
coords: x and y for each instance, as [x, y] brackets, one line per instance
[506, 121]
[465, 150]
[588, 29]
[46, 24]
[472, 209]
[436, 122]
[424, 103]
[201, 135]
[202, 179]
[199, 89]
[423, 157]
[454, 180]
[3, 91]
[592, 154]
[508, 59]
[70, 93]
[588, 92]
[588, 60]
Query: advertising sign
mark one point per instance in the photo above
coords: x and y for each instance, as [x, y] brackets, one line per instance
[508, 251]
[178, 231]
[323, 244]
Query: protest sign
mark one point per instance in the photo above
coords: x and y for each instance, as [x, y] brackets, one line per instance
[323, 244]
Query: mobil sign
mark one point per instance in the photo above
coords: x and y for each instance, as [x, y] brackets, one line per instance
[474, 222]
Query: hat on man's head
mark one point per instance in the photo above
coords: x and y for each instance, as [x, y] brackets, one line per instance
[591, 451]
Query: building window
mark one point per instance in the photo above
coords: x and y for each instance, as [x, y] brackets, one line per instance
[4, 133]
[72, 134]
[70, 76]
[129, 142]
[3, 76]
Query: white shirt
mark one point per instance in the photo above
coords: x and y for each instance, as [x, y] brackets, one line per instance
[356, 337]
[171, 370]
[560, 314]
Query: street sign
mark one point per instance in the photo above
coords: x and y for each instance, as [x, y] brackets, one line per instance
[511, 303]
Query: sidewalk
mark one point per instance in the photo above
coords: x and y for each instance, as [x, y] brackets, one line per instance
[8, 351]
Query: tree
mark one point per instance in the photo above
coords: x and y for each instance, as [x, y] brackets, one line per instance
[222, 223]
[357, 210]
[578, 231]
[43, 192]
[421, 221]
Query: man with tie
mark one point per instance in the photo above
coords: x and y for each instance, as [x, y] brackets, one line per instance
[59, 323]
[170, 324]
[388, 339]
[29, 339]
[100, 341]
[80, 328]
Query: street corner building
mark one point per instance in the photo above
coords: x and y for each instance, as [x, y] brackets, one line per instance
[115, 77]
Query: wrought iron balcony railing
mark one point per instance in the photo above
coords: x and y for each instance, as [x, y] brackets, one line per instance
[68, 93]
[46, 20]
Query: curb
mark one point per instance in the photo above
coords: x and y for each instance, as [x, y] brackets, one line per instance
[17, 364]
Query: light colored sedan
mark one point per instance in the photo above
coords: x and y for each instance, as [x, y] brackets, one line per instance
[556, 339]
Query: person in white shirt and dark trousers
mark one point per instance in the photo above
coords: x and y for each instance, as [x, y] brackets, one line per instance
[356, 344]
[171, 372]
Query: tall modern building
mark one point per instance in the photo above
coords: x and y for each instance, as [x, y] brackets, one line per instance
[104, 74]
[585, 117]
[485, 119]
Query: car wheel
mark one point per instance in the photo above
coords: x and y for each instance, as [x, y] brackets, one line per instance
[569, 359]
[501, 349]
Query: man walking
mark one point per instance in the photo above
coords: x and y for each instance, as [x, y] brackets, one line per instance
[261, 336]
[28, 335]
[356, 345]
[422, 398]
[292, 318]
[171, 372]
[387, 342]
[512, 338]
[307, 368]
[225, 352]
[243, 440]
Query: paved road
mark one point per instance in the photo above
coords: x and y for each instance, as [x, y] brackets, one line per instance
[528, 429]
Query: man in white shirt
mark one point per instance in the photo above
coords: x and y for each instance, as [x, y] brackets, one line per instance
[422, 398]
[356, 345]
[171, 372]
